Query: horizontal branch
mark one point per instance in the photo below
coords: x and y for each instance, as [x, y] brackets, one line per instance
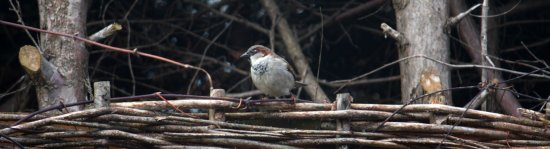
[433, 129]
[351, 114]
[334, 141]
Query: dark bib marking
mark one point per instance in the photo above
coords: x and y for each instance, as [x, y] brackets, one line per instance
[260, 68]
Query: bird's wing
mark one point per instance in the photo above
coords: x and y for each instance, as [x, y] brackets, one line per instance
[290, 69]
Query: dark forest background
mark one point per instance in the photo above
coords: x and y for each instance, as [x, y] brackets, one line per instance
[350, 44]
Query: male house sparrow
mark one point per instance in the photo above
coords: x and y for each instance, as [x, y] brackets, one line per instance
[270, 72]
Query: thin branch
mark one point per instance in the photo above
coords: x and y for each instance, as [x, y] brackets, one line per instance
[231, 17]
[355, 141]
[105, 32]
[452, 21]
[209, 78]
[399, 37]
[444, 63]
[204, 54]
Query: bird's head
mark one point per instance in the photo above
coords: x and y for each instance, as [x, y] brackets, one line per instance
[256, 51]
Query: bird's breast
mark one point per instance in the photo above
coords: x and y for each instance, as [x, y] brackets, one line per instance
[259, 68]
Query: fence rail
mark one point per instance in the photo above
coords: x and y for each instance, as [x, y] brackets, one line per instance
[230, 124]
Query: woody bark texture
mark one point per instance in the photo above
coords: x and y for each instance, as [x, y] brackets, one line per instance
[295, 52]
[468, 31]
[67, 55]
[422, 23]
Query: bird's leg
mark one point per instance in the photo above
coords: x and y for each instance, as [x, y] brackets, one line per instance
[247, 102]
[293, 97]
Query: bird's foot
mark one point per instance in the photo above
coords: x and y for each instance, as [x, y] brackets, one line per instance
[293, 99]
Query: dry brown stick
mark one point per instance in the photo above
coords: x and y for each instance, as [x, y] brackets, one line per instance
[153, 105]
[351, 114]
[449, 110]
[105, 32]
[131, 111]
[221, 124]
[136, 119]
[18, 116]
[534, 115]
[74, 144]
[291, 106]
[171, 105]
[28, 141]
[396, 35]
[38, 123]
[245, 94]
[122, 134]
[59, 135]
[182, 104]
[453, 20]
[333, 133]
[188, 147]
[175, 128]
[180, 136]
[523, 142]
[239, 143]
[469, 142]
[295, 52]
[219, 104]
[355, 141]
[507, 127]
[104, 133]
[249, 132]
[434, 129]
[93, 125]
[423, 140]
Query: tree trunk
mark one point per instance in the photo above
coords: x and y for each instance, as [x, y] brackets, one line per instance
[491, 104]
[422, 22]
[68, 56]
[468, 32]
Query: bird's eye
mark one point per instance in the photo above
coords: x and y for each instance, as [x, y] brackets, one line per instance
[254, 50]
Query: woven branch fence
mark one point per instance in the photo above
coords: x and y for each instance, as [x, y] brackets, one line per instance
[147, 124]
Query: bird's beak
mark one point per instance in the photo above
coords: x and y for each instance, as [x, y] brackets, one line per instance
[245, 54]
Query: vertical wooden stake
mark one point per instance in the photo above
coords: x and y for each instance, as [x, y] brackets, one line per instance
[213, 114]
[343, 102]
[102, 93]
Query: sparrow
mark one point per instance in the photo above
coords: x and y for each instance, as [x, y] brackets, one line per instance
[270, 73]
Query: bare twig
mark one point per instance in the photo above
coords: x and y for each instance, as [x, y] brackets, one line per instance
[204, 54]
[355, 141]
[457, 18]
[105, 32]
[444, 63]
[113, 48]
[399, 37]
